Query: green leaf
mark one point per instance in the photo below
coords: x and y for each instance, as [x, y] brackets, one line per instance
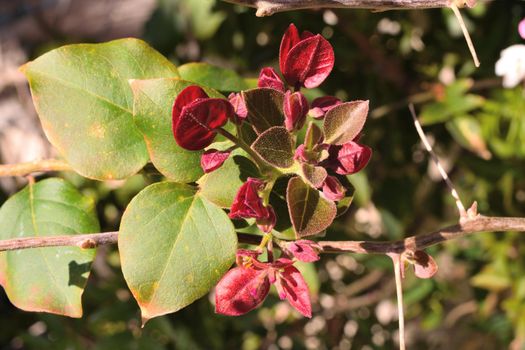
[309, 212]
[275, 146]
[200, 17]
[153, 101]
[214, 77]
[467, 132]
[344, 122]
[47, 279]
[174, 246]
[84, 102]
[221, 186]
[314, 135]
[265, 108]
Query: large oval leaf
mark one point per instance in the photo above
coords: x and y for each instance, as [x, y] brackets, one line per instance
[84, 102]
[47, 279]
[174, 246]
[309, 212]
[153, 100]
[214, 77]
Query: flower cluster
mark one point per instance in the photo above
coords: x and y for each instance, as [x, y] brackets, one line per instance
[315, 168]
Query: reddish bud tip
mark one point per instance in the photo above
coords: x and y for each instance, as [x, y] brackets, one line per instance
[239, 107]
[247, 203]
[295, 108]
[267, 224]
[349, 158]
[268, 78]
[321, 105]
[303, 250]
[333, 189]
[213, 159]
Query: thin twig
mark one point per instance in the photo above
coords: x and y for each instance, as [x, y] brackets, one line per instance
[269, 7]
[465, 34]
[22, 169]
[444, 175]
[396, 258]
[474, 225]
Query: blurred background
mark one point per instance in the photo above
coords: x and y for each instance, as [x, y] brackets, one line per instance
[476, 300]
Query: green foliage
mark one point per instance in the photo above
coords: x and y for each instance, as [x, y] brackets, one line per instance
[217, 78]
[174, 246]
[47, 279]
[85, 104]
[265, 108]
[275, 145]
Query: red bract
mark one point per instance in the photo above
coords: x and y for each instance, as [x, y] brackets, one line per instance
[295, 108]
[239, 106]
[333, 189]
[348, 158]
[305, 60]
[196, 117]
[247, 203]
[321, 105]
[303, 250]
[241, 290]
[268, 78]
[213, 159]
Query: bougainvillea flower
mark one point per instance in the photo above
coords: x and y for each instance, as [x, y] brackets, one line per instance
[244, 288]
[348, 158]
[303, 250]
[305, 60]
[247, 203]
[196, 117]
[212, 159]
[295, 108]
[321, 105]
[333, 189]
[239, 106]
[268, 78]
[241, 290]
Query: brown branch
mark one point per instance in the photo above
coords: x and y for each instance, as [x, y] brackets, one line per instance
[269, 7]
[475, 225]
[22, 169]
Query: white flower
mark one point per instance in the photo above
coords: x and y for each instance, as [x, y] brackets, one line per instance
[511, 65]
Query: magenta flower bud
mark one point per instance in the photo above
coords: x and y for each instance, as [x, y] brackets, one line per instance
[213, 159]
[321, 105]
[305, 60]
[268, 78]
[239, 107]
[303, 250]
[333, 189]
[247, 203]
[295, 108]
[521, 28]
[348, 158]
[195, 118]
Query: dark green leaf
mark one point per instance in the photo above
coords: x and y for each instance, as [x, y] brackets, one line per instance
[47, 279]
[85, 104]
[344, 122]
[309, 212]
[214, 77]
[275, 146]
[174, 246]
[265, 108]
